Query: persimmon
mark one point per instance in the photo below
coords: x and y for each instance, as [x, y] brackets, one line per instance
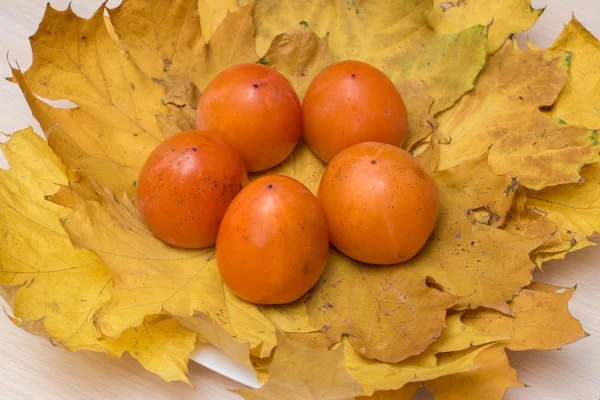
[380, 202]
[273, 244]
[256, 109]
[186, 185]
[352, 102]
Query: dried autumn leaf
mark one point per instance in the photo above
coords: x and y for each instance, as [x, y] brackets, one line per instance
[467, 255]
[37, 257]
[165, 35]
[579, 101]
[249, 325]
[213, 12]
[399, 41]
[504, 18]
[293, 318]
[470, 193]
[160, 344]
[455, 337]
[489, 381]
[113, 129]
[148, 30]
[406, 392]
[85, 66]
[429, 156]
[231, 44]
[114, 126]
[299, 55]
[211, 332]
[54, 289]
[151, 277]
[541, 319]
[374, 375]
[315, 374]
[418, 103]
[532, 223]
[503, 115]
[458, 336]
[398, 315]
[573, 208]
[486, 266]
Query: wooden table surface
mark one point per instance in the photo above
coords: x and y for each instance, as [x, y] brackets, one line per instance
[30, 368]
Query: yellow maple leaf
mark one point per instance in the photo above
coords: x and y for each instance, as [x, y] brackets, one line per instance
[467, 254]
[406, 392]
[299, 55]
[573, 208]
[54, 289]
[37, 257]
[375, 375]
[168, 36]
[455, 337]
[530, 223]
[112, 130]
[503, 115]
[293, 318]
[579, 101]
[147, 31]
[489, 381]
[541, 319]
[151, 277]
[161, 344]
[114, 126]
[210, 332]
[399, 41]
[418, 103]
[504, 18]
[458, 336]
[430, 155]
[213, 12]
[398, 315]
[315, 374]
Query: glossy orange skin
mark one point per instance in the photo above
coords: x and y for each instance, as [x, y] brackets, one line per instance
[186, 185]
[352, 102]
[256, 109]
[380, 202]
[273, 244]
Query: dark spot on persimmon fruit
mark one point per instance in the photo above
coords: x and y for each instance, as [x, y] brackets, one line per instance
[270, 186]
[194, 149]
[354, 75]
[83, 38]
[255, 85]
[373, 162]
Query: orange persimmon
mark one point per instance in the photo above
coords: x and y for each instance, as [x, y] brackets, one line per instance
[352, 102]
[186, 185]
[380, 202]
[272, 246]
[256, 109]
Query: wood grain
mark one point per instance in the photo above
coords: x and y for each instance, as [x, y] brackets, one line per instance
[30, 368]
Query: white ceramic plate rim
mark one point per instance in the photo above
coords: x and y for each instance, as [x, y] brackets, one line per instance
[212, 358]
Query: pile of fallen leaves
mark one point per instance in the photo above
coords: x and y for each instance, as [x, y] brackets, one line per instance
[509, 133]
